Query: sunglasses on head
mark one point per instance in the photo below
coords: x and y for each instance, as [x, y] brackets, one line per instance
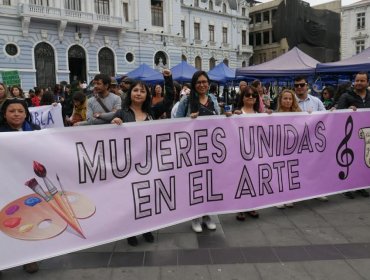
[15, 98]
[251, 95]
[300, 85]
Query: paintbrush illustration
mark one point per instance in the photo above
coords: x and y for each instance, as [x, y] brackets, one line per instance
[35, 186]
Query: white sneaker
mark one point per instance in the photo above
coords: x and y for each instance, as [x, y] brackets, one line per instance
[322, 198]
[209, 223]
[196, 226]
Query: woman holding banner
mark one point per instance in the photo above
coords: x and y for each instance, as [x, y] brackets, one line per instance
[249, 103]
[287, 102]
[199, 103]
[137, 107]
[16, 117]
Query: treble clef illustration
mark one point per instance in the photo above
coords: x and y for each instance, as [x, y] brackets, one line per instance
[345, 155]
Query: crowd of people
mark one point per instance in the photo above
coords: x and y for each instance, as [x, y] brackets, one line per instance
[135, 101]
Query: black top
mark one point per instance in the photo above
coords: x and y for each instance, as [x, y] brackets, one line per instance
[350, 98]
[127, 115]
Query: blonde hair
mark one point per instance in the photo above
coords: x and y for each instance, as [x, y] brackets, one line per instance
[6, 93]
[295, 107]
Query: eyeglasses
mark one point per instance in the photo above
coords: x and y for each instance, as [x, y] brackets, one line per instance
[300, 85]
[15, 98]
[202, 82]
[251, 95]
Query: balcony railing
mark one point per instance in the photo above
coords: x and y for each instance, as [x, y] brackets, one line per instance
[70, 15]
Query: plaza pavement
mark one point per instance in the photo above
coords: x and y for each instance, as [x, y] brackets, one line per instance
[313, 240]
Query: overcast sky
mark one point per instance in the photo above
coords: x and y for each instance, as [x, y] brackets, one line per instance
[316, 2]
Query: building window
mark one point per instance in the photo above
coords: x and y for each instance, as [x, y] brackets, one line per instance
[130, 57]
[361, 21]
[258, 18]
[266, 37]
[273, 13]
[360, 46]
[224, 35]
[196, 3]
[211, 29]
[243, 12]
[224, 9]
[102, 7]
[266, 16]
[273, 55]
[212, 63]
[7, 3]
[183, 28]
[251, 39]
[273, 38]
[73, 5]
[210, 5]
[244, 37]
[157, 13]
[125, 10]
[196, 30]
[258, 39]
[198, 63]
[11, 49]
[40, 2]
[251, 19]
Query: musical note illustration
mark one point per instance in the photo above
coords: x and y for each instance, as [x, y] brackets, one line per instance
[345, 155]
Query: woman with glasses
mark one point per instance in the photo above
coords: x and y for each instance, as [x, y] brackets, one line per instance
[199, 103]
[249, 103]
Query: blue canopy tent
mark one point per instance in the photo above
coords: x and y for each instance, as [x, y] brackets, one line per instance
[292, 63]
[357, 63]
[182, 72]
[142, 72]
[222, 73]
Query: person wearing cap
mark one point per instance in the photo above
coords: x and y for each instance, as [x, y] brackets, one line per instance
[125, 86]
[101, 107]
[114, 87]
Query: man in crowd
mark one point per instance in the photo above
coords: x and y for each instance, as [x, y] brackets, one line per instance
[115, 88]
[358, 97]
[306, 101]
[125, 86]
[101, 107]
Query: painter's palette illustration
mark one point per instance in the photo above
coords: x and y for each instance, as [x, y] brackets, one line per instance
[45, 214]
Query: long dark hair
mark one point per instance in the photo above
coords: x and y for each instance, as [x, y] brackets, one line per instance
[194, 97]
[246, 91]
[146, 107]
[15, 100]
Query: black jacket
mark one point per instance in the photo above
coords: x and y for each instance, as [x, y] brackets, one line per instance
[350, 98]
[26, 127]
[127, 115]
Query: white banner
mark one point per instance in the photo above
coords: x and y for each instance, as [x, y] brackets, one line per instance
[47, 116]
